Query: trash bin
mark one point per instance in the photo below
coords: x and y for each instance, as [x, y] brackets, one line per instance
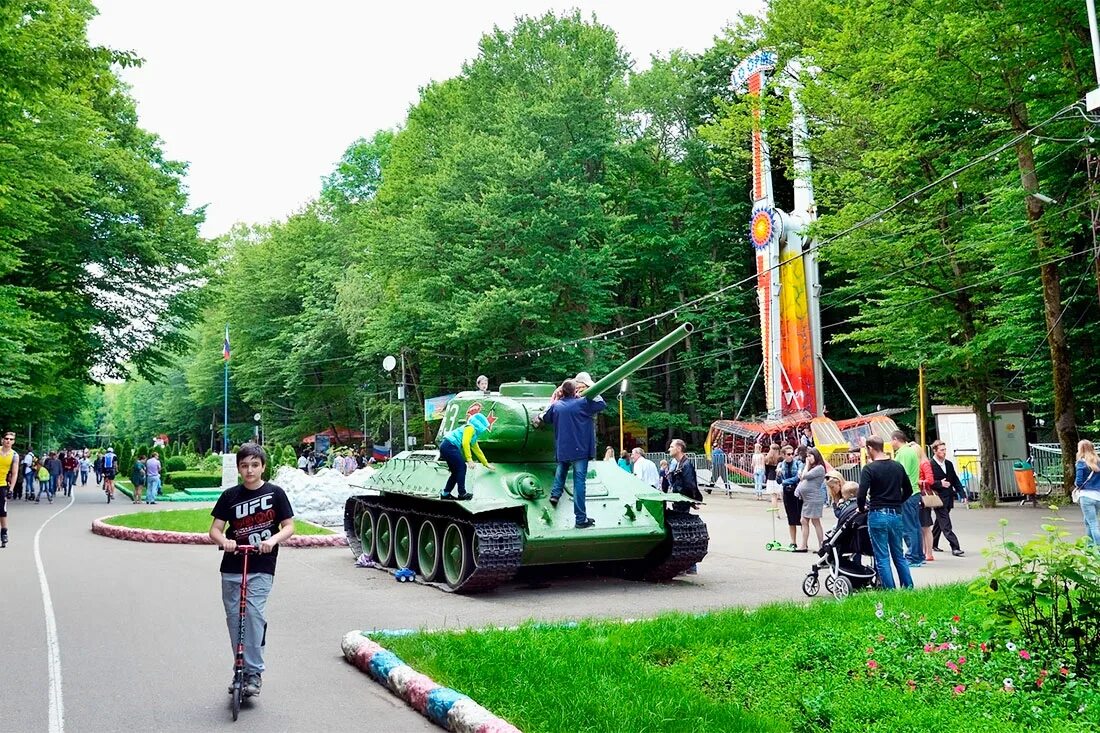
[1025, 477]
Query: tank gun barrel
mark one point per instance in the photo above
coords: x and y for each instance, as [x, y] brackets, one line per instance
[638, 361]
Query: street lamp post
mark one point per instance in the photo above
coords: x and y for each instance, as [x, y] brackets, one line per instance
[364, 388]
[259, 436]
[402, 395]
[622, 391]
[388, 364]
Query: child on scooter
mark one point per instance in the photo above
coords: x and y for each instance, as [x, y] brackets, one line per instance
[257, 513]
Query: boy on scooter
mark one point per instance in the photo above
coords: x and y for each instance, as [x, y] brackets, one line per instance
[257, 513]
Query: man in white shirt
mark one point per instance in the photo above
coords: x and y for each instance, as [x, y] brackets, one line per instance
[303, 463]
[645, 469]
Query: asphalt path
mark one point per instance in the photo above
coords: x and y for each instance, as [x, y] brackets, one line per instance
[143, 642]
[142, 637]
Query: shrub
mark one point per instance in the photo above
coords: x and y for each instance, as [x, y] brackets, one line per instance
[210, 464]
[175, 464]
[183, 480]
[1045, 593]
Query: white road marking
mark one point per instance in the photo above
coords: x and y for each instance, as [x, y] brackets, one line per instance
[53, 648]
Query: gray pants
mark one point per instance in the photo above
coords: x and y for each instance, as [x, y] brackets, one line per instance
[255, 626]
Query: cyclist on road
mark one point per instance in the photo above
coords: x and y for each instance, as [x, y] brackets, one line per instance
[110, 468]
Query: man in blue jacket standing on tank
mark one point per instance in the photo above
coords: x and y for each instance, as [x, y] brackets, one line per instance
[574, 443]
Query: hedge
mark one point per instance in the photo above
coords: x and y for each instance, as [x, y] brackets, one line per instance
[195, 480]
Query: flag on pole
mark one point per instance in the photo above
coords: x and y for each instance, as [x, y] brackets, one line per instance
[225, 346]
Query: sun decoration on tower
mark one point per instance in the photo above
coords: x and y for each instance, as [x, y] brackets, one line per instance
[764, 226]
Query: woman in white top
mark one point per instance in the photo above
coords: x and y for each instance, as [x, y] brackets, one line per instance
[1087, 481]
[758, 471]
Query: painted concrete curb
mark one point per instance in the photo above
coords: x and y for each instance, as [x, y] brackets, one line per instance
[441, 705]
[162, 536]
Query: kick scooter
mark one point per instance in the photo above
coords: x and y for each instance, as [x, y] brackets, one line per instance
[238, 660]
[775, 544]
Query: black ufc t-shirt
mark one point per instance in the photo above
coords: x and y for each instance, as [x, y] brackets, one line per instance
[252, 516]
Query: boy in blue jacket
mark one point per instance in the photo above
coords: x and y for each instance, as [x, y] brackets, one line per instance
[458, 449]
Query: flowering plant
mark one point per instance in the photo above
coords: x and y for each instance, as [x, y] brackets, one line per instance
[954, 657]
[1045, 593]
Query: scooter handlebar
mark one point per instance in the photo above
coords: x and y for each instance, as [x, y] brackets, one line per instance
[242, 549]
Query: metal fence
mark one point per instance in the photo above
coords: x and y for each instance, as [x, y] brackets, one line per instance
[703, 468]
[1045, 458]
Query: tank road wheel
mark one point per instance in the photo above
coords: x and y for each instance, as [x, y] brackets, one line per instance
[458, 562]
[427, 550]
[366, 533]
[403, 549]
[383, 539]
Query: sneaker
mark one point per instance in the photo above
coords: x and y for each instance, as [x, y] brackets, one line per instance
[585, 524]
[447, 496]
[936, 549]
[554, 500]
[957, 553]
[464, 497]
[914, 563]
[252, 685]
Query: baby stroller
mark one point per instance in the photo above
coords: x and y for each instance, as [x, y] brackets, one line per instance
[841, 557]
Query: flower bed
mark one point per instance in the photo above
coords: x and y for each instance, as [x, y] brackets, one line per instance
[189, 526]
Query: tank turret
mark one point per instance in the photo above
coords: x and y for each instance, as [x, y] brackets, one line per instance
[511, 411]
[473, 546]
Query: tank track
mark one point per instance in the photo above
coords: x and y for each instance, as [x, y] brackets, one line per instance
[354, 543]
[499, 545]
[686, 545]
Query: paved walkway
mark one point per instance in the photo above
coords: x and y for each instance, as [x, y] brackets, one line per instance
[142, 637]
[142, 640]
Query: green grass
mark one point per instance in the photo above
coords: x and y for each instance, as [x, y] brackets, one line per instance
[190, 520]
[781, 667]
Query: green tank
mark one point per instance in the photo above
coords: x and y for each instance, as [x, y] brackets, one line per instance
[475, 545]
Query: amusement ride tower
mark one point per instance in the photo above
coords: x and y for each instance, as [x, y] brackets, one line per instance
[787, 285]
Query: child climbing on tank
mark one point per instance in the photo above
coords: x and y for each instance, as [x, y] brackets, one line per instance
[458, 449]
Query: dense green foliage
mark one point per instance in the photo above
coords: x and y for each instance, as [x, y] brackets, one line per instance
[874, 662]
[100, 259]
[1046, 592]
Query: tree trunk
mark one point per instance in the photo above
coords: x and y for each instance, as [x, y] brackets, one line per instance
[1065, 421]
[987, 482]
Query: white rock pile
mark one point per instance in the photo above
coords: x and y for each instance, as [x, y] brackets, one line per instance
[320, 498]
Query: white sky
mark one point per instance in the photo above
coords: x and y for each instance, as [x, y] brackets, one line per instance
[262, 98]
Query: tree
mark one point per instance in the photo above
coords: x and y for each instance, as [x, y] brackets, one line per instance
[902, 96]
[100, 258]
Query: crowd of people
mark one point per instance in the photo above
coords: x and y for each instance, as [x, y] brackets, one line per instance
[344, 460]
[31, 478]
